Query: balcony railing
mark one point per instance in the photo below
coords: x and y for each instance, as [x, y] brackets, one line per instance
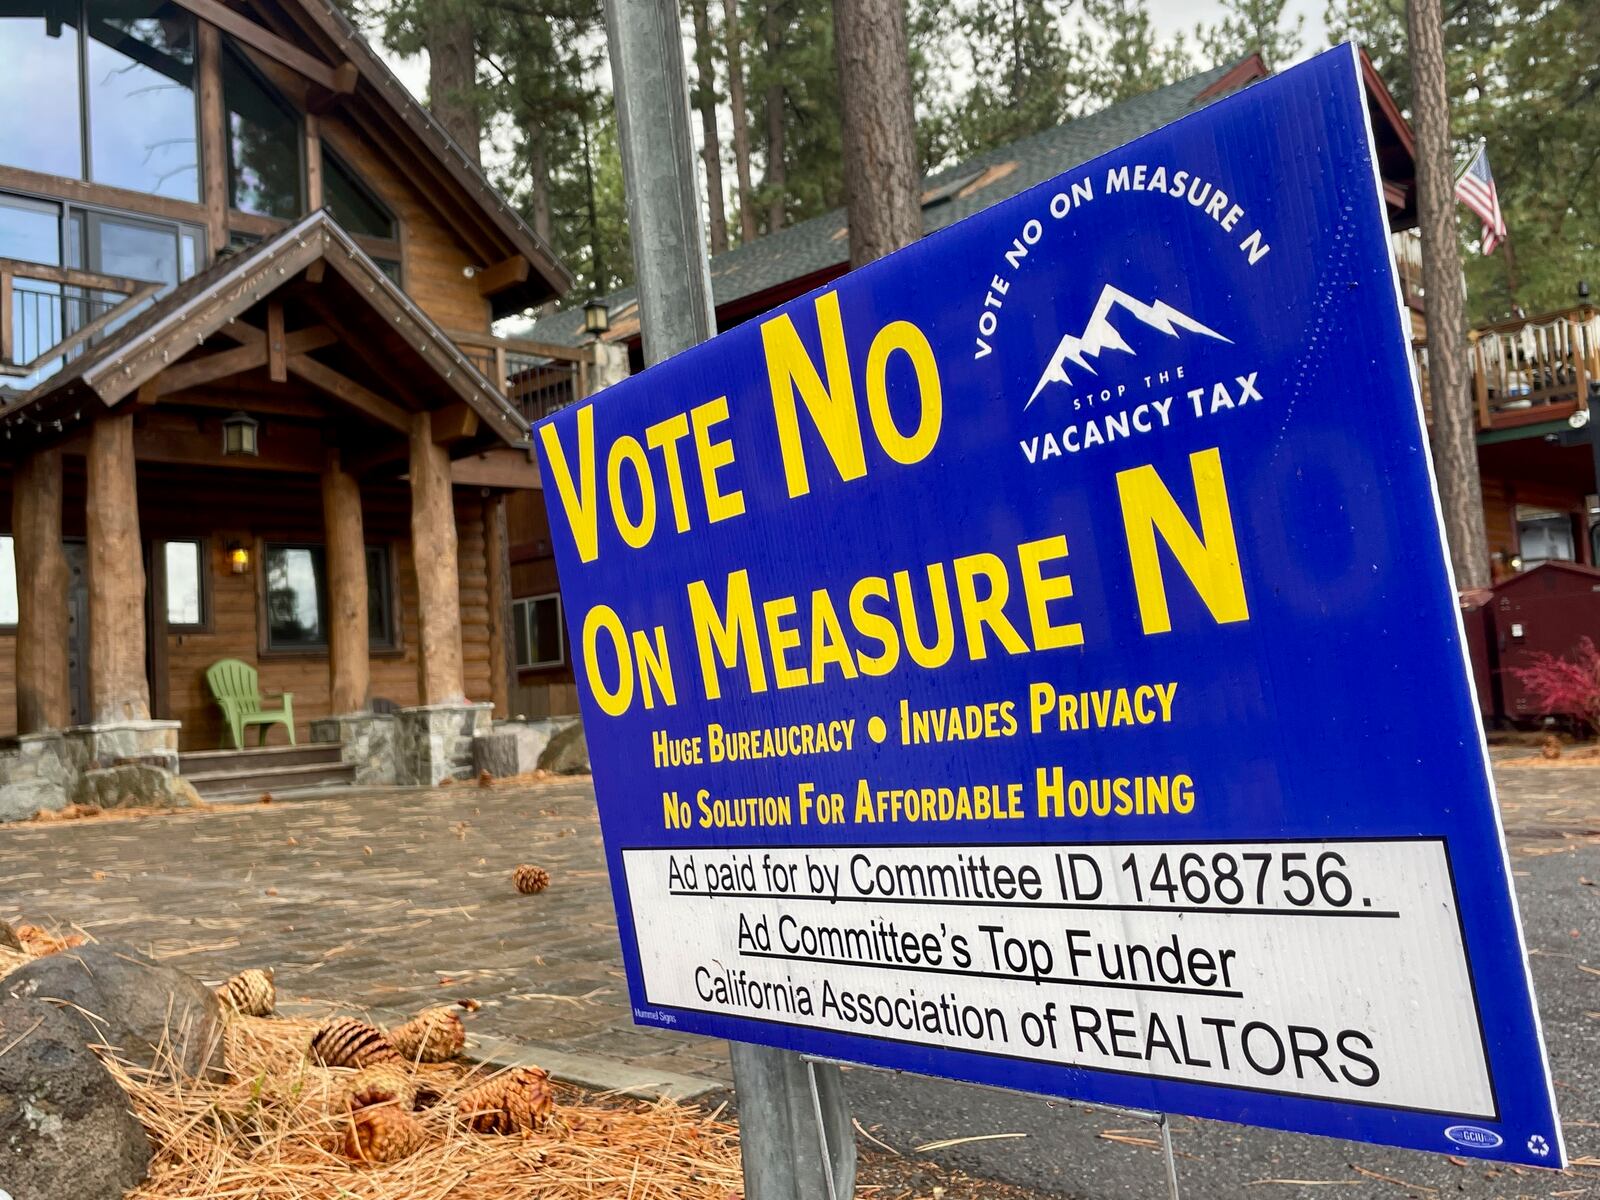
[1530, 370]
[48, 314]
[537, 377]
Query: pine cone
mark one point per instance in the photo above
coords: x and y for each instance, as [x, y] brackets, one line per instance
[512, 1103]
[1551, 746]
[530, 879]
[382, 1134]
[433, 1035]
[387, 1085]
[250, 992]
[485, 779]
[346, 1042]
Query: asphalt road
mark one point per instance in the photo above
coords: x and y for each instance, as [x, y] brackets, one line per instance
[1061, 1150]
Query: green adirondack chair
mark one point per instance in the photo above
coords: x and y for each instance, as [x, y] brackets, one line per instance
[233, 684]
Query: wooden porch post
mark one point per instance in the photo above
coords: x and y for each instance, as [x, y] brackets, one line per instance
[497, 548]
[118, 690]
[44, 700]
[349, 668]
[433, 548]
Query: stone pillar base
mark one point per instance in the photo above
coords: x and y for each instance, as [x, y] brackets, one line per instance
[35, 776]
[109, 765]
[370, 741]
[435, 741]
[117, 743]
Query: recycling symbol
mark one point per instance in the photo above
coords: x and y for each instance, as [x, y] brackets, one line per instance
[1537, 1145]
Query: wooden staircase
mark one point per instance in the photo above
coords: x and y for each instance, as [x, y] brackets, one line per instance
[246, 774]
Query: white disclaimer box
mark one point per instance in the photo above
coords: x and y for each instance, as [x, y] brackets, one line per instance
[1329, 969]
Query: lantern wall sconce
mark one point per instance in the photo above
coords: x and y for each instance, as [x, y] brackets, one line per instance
[239, 435]
[238, 557]
[596, 317]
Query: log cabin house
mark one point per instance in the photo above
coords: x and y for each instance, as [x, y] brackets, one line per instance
[253, 408]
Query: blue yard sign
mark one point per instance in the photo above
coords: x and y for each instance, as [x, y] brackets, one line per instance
[1033, 660]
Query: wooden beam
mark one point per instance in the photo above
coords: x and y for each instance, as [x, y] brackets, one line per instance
[269, 43]
[148, 393]
[502, 640]
[60, 188]
[349, 667]
[277, 357]
[452, 424]
[178, 439]
[316, 270]
[194, 372]
[502, 467]
[313, 162]
[213, 134]
[357, 396]
[505, 273]
[371, 458]
[433, 548]
[321, 99]
[42, 679]
[252, 401]
[118, 689]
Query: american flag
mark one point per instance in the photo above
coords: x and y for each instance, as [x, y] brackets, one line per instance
[1475, 189]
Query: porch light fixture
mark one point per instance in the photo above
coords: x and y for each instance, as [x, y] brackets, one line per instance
[596, 316]
[1579, 419]
[239, 435]
[238, 557]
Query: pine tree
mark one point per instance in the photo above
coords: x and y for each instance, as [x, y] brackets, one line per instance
[1249, 27]
[1121, 58]
[1021, 71]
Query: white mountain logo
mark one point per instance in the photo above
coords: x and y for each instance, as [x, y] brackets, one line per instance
[1100, 335]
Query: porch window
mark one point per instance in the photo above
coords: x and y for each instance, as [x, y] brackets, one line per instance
[183, 579]
[264, 144]
[540, 636]
[297, 597]
[8, 583]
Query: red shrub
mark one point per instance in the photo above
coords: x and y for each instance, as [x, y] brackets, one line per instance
[1568, 687]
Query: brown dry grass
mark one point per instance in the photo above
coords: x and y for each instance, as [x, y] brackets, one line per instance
[273, 1132]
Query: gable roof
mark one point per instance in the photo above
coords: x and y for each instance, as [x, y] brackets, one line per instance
[809, 253]
[322, 25]
[112, 370]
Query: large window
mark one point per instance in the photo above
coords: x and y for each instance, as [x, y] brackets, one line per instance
[297, 597]
[101, 90]
[264, 144]
[41, 117]
[140, 88]
[351, 202]
[541, 639]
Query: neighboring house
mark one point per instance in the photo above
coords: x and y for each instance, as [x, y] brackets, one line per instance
[1530, 376]
[253, 405]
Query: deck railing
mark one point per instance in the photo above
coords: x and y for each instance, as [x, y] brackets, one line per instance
[537, 377]
[48, 314]
[1529, 370]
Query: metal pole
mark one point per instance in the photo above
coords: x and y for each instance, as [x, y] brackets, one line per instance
[1171, 1159]
[782, 1153]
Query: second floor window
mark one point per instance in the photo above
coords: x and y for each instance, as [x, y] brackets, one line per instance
[102, 90]
[264, 144]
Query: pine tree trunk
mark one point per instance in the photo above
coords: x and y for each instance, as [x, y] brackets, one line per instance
[741, 120]
[1455, 446]
[879, 127]
[453, 81]
[539, 182]
[777, 181]
[705, 99]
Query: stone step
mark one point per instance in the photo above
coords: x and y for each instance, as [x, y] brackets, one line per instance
[251, 783]
[208, 762]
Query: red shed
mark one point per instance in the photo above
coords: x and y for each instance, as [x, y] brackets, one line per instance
[1549, 608]
[1477, 618]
